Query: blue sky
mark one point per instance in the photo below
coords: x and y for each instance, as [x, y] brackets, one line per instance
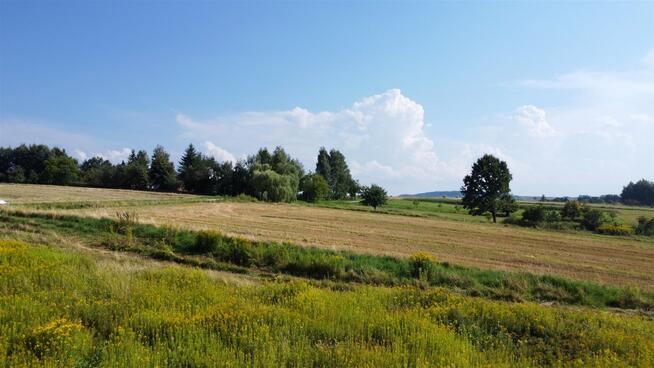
[412, 93]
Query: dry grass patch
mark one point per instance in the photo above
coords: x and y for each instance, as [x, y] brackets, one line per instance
[613, 260]
[30, 193]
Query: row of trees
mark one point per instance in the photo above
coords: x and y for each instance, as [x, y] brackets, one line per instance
[269, 176]
[640, 193]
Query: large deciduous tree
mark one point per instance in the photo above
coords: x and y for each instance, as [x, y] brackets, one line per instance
[486, 189]
[640, 192]
[374, 196]
[333, 167]
[60, 169]
[274, 177]
[314, 188]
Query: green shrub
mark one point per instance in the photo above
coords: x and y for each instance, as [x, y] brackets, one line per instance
[552, 216]
[593, 218]
[317, 265]
[238, 251]
[533, 216]
[276, 256]
[126, 223]
[645, 227]
[615, 229]
[245, 198]
[421, 264]
[572, 210]
[207, 242]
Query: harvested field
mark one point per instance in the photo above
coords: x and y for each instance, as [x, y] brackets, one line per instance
[582, 255]
[605, 259]
[29, 193]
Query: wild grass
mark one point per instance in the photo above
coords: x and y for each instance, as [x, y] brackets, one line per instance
[211, 249]
[579, 255]
[452, 209]
[61, 309]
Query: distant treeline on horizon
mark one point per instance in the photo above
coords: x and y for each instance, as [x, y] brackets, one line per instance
[267, 176]
[606, 198]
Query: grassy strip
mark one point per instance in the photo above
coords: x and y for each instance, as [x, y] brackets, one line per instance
[63, 309]
[115, 203]
[217, 251]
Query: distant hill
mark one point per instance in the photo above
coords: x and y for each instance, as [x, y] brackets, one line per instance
[457, 194]
[447, 193]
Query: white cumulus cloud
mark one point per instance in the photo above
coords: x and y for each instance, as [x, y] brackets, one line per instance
[218, 153]
[382, 136]
[534, 119]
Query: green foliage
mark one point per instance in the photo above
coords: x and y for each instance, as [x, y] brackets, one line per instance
[314, 188]
[207, 242]
[572, 210]
[197, 173]
[98, 172]
[615, 229]
[275, 177]
[136, 171]
[60, 170]
[217, 251]
[645, 227]
[640, 193]
[593, 218]
[125, 224]
[273, 187]
[162, 173]
[333, 167]
[110, 314]
[374, 196]
[486, 189]
[421, 265]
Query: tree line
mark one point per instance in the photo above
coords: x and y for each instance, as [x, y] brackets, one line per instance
[640, 193]
[269, 176]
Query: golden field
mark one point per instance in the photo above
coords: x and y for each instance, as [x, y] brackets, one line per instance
[580, 255]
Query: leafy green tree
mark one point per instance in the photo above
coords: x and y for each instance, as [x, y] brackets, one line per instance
[190, 168]
[507, 204]
[162, 173]
[323, 167]
[273, 187]
[533, 215]
[60, 169]
[241, 179]
[593, 218]
[97, 172]
[354, 189]
[314, 188]
[640, 193]
[6, 155]
[374, 196]
[487, 186]
[223, 176]
[645, 227]
[341, 179]
[136, 171]
[572, 210]
[31, 159]
[333, 167]
[274, 177]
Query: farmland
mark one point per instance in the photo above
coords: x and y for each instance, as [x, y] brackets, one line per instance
[466, 241]
[143, 296]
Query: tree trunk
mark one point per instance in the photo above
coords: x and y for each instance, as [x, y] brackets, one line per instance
[494, 218]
